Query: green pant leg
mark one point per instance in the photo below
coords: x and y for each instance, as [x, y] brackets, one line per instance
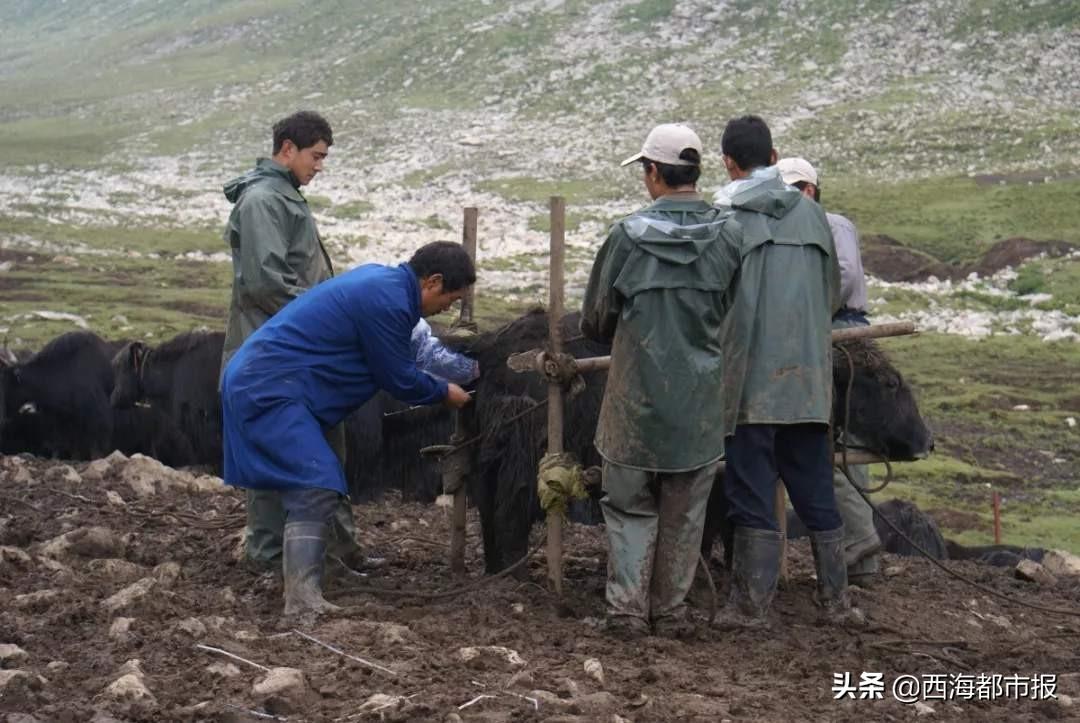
[342, 541]
[265, 525]
[631, 516]
[684, 497]
[860, 536]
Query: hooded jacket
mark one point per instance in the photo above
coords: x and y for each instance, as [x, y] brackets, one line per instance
[776, 336]
[276, 250]
[656, 293]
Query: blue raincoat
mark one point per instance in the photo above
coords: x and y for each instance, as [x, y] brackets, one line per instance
[310, 365]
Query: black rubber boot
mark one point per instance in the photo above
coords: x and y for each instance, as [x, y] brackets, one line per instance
[755, 572]
[832, 580]
[304, 554]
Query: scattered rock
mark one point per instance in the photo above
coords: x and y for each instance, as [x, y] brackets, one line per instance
[11, 656]
[1034, 572]
[13, 558]
[57, 666]
[1065, 701]
[485, 655]
[521, 679]
[114, 498]
[923, 709]
[893, 571]
[129, 594]
[193, 627]
[599, 701]
[380, 702]
[549, 698]
[94, 542]
[224, 670]
[567, 688]
[36, 600]
[595, 670]
[100, 468]
[116, 570]
[14, 682]
[167, 573]
[1060, 562]
[285, 682]
[128, 687]
[120, 630]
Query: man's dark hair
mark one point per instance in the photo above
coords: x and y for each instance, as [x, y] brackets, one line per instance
[304, 128]
[747, 141]
[801, 185]
[446, 258]
[678, 175]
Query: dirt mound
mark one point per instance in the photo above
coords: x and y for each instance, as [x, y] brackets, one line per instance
[108, 586]
[1014, 251]
[889, 260]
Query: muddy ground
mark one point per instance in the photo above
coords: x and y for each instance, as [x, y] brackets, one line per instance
[120, 561]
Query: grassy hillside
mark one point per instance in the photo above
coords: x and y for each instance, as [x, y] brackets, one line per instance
[946, 126]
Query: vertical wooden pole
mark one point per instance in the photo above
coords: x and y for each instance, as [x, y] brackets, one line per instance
[997, 518]
[555, 399]
[781, 519]
[458, 517]
[468, 240]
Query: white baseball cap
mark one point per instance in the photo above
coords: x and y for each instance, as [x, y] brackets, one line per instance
[794, 170]
[664, 144]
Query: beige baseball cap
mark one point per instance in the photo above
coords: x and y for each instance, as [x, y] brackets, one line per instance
[664, 144]
[793, 170]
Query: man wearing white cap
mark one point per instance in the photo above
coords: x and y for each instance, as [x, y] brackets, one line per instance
[862, 546]
[657, 295]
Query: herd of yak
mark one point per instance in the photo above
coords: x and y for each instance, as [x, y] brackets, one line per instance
[81, 397]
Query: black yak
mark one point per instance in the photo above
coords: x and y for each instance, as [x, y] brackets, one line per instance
[56, 403]
[883, 414]
[179, 378]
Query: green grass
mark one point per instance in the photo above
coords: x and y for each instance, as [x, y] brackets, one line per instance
[967, 390]
[954, 219]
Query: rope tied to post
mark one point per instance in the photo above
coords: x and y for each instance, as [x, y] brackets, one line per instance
[559, 480]
[561, 369]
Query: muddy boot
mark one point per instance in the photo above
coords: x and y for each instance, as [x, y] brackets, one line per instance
[832, 579]
[305, 550]
[678, 626]
[625, 627]
[754, 575]
[866, 572]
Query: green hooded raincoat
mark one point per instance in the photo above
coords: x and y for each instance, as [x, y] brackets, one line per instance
[657, 294]
[777, 349]
[277, 253]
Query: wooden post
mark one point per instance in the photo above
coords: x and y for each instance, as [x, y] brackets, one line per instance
[458, 515]
[555, 398]
[997, 518]
[468, 240]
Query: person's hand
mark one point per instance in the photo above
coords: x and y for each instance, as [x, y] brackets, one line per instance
[456, 397]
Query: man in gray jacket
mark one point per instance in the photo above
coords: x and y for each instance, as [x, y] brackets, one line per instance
[862, 546]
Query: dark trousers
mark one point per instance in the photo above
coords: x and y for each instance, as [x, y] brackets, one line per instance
[758, 454]
[309, 504]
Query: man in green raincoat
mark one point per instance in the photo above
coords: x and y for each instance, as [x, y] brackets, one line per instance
[277, 255]
[656, 293]
[778, 379]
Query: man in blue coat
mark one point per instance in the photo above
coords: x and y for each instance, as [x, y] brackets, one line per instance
[310, 365]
